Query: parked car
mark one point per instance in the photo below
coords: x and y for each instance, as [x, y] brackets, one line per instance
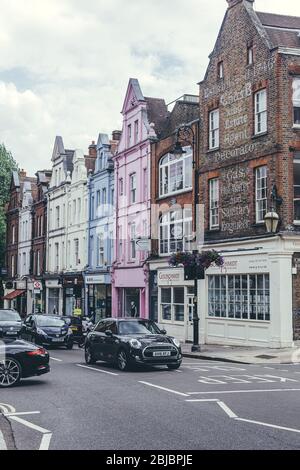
[75, 324]
[10, 323]
[19, 360]
[47, 330]
[128, 341]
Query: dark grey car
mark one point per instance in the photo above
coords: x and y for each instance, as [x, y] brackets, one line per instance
[10, 323]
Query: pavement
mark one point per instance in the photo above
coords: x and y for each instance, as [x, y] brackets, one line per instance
[244, 354]
[203, 405]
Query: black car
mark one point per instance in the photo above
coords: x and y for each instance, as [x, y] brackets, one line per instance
[47, 330]
[20, 360]
[75, 324]
[129, 341]
[10, 323]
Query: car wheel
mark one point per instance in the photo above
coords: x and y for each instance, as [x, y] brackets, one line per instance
[122, 360]
[70, 345]
[10, 372]
[89, 358]
[173, 366]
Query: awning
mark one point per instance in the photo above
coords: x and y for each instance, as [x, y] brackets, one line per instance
[14, 294]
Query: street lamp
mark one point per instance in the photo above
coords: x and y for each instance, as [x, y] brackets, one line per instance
[186, 134]
[272, 218]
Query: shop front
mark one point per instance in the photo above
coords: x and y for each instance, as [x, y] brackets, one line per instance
[73, 295]
[175, 301]
[15, 296]
[98, 293]
[248, 302]
[54, 296]
[130, 293]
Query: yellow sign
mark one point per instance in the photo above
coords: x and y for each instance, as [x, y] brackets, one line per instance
[77, 312]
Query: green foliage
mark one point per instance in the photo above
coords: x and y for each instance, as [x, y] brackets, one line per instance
[7, 165]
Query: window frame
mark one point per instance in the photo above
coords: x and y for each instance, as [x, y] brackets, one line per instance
[133, 187]
[259, 188]
[258, 113]
[214, 129]
[165, 168]
[214, 203]
[167, 224]
[296, 102]
[172, 305]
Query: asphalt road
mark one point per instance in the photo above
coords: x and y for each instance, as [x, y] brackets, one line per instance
[204, 405]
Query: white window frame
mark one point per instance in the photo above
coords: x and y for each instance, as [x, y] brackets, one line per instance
[221, 69]
[174, 172]
[56, 256]
[260, 112]
[296, 187]
[100, 260]
[296, 101]
[132, 241]
[261, 193]
[132, 185]
[172, 226]
[214, 129]
[172, 305]
[214, 219]
[250, 55]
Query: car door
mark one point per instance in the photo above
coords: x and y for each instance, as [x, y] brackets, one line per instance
[97, 340]
[111, 342]
[27, 329]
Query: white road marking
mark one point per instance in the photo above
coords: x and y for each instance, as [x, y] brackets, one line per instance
[163, 388]
[268, 425]
[30, 425]
[227, 410]
[55, 359]
[98, 370]
[245, 391]
[7, 408]
[22, 413]
[45, 442]
[3, 445]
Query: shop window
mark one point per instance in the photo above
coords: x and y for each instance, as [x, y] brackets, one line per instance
[297, 188]
[175, 174]
[172, 304]
[261, 193]
[244, 297]
[214, 129]
[296, 101]
[260, 112]
[214, 203]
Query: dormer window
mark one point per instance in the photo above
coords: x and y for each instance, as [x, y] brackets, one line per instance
[220, 69]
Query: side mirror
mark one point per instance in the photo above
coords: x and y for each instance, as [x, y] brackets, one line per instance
[108, 333]
[163, 332]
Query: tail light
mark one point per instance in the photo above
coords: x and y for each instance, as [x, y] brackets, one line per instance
[37, 352]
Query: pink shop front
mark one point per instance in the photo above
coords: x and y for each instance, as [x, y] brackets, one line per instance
[130, 292]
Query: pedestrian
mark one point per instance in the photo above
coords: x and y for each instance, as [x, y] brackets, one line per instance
[133, 309]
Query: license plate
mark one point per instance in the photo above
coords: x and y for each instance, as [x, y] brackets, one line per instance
[57, 340]
[11, 332]
[161, 353]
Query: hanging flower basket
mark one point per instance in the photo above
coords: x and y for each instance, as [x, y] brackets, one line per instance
[196, 260]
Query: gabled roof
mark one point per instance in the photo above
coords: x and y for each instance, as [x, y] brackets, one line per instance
[158, 114]
[59, 148]
[133, 94]
[282, 30]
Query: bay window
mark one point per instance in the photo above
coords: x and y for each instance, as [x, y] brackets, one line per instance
[175, 231]
[175, 173]
[260, 112]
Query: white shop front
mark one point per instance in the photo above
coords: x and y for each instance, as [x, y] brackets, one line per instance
[248, 302]
[175, 303]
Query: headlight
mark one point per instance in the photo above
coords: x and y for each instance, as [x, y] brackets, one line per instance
[134, 343]
[41, 332]
[70, 332]
[176, 342]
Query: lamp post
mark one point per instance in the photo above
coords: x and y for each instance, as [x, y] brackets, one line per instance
[272, 218]
[186, 134]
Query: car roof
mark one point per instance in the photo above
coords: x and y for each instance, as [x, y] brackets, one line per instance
[125, 319]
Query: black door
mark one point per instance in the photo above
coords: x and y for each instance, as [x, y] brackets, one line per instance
[27, 329]
[111, 341]
[97, 340]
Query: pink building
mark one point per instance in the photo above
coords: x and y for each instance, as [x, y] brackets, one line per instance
[143, 120]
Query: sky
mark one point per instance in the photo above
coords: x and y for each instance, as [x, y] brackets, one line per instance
[65, 64]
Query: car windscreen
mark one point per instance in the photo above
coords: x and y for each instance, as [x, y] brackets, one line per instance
[50, 322]
[8, 315]
[138, 327]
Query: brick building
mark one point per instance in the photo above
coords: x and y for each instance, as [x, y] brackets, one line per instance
[18, 219]
[249, 165]
[170, 296]
[39, 229]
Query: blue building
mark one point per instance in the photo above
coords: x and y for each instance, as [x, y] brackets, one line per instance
[101, 230]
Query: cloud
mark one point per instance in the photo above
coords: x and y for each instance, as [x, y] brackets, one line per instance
[65, 64]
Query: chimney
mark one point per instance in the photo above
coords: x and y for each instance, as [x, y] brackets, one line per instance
[232, 3]
[22, 173]
[116, 135]
[93, 150]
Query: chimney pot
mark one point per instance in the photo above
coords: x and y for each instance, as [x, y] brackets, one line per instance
[116, 135]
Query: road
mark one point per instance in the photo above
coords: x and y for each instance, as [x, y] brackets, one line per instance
[203, 405]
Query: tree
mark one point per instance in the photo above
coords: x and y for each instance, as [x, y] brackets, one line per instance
[7, 165]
